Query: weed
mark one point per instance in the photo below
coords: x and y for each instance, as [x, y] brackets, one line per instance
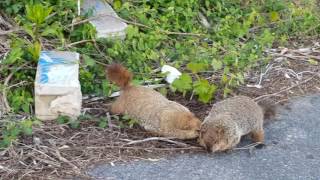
[11, 130]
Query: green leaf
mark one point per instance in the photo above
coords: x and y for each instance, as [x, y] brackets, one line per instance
[63, 119]
[266, 38]
[132, 122]
[27, 131]
[196, 67]
[29, 29]
[14, 55]
[103, 123]
[106, 87]
[126, 117]
[88, 60]
[217, 65]
[52, 30]
[313, 62]
[37, 13]
[26, 126]
[34, 49]
[226, 91]
[25, 108]
[204, 90]
[183, 83]
[163, 91]
[201, 86]
[206, 97]
[117, 4]
[131, 31]
[274, 16]
[74, 124]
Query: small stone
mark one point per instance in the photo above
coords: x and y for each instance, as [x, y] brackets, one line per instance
[36, 141]
[309, 156]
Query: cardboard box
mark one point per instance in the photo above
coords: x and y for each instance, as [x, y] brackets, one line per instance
[57, 86]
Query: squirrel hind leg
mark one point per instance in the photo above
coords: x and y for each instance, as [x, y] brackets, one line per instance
[257, 136]
[117, 107]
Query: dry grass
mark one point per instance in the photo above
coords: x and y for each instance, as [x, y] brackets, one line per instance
[57, 151]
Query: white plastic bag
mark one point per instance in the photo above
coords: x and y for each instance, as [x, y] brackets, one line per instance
[173, 73]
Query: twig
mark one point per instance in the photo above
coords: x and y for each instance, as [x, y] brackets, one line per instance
[52, 163]
[287, 89]
[37, 151]
[102, 54]
[261, 77]
[155, 139]
[192, 94]
[61, 158]
[79, 42]
[249, 146]
[3, 33]
[18, 84]
[6, 169]
[143, 148]
[305, 58]
[109, 121]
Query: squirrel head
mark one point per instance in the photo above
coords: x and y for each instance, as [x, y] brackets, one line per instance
[213, 138]
[218, 135]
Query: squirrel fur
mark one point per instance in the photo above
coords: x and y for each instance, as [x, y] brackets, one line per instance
[153, 111]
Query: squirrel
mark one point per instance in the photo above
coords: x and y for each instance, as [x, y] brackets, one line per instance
[230, 119]
[154, 112]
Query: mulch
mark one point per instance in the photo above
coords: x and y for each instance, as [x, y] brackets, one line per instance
[57, 151]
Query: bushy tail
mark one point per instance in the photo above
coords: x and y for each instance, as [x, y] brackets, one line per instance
[119, 75]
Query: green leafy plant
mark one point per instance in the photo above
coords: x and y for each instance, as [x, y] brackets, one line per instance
[73, 123]
[127, 121]
[11, 130]
[200, 86]
[183, 83]
[204, 90]
[102, 123]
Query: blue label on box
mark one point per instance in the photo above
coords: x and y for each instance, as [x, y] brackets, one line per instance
[46, 60]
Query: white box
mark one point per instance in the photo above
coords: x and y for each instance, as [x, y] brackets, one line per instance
[57, 86]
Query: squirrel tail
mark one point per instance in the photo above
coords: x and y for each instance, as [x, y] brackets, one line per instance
[119, 75]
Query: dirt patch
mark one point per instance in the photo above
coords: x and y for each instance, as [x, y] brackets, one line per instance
[292, 72]
[58, 151]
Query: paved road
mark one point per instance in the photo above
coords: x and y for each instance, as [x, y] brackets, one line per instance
[293, 152]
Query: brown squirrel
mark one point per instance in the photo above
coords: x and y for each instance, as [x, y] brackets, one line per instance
[153, 111]
[229, 120]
